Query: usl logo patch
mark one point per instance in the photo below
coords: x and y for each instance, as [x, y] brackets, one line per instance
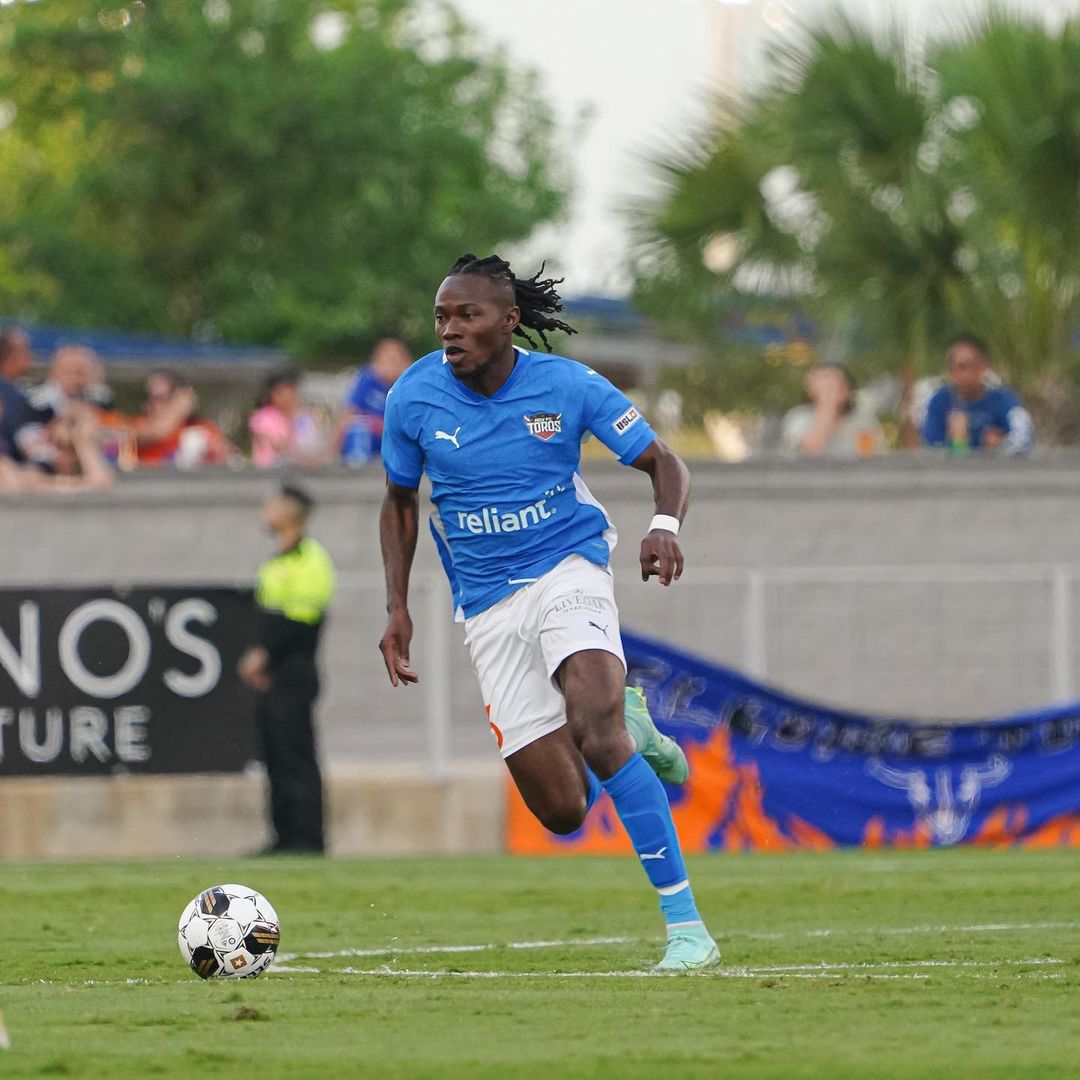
[544, 424]
[626, 421]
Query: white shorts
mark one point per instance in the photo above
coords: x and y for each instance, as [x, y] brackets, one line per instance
[517, 646]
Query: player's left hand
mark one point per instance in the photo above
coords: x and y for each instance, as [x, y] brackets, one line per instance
[661, 557]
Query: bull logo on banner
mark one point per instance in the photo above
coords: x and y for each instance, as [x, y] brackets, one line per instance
[945, 808]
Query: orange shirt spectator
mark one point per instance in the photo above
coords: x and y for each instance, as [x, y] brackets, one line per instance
[169, 432]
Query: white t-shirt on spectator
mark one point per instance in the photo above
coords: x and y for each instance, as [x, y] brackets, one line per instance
[858, 435]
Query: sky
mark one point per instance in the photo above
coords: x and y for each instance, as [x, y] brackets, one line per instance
[643, 69]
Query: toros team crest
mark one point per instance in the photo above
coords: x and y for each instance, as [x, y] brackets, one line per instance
[543, 424]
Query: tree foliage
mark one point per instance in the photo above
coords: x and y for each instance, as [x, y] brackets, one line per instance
[906, 192]
[295, 172]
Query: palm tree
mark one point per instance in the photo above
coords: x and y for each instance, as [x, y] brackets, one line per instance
[1018, 164]
[883, 189]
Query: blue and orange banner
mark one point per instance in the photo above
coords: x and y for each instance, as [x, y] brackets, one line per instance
[769, 772]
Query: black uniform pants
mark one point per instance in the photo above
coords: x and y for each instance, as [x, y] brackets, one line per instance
[287, 731]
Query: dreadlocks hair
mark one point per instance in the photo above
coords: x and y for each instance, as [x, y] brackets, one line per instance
[535, 297]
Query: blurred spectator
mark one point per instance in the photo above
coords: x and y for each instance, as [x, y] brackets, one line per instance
[668, 413]
[64, 387]
[836, 423]
[169, 431]
[76, 462]
[16, 360]
[359, 423]
[973, 411]
[282, 431]
[98, 393]
[70, 373]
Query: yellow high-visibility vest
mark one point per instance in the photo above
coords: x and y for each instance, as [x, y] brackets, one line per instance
[299, 583]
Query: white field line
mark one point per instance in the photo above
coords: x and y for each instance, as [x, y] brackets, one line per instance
[715, 973]
[422, 950]
[885, 969]
[384, 972]
[734, 935]
[788, 971]
[874, 972]
[884, 965]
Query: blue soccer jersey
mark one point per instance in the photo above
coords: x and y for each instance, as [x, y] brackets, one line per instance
[509, 502]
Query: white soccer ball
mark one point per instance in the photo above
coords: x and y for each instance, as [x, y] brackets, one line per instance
[229, 932]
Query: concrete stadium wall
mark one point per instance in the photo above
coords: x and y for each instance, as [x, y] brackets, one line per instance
[915, 585]
[952, 557]
[396, 810]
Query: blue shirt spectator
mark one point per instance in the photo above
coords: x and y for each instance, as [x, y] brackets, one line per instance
[14, 411]
[16, 360]
[359, 423]
[968, 413]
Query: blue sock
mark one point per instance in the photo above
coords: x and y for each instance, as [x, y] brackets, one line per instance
[595, 789]
[643, 809]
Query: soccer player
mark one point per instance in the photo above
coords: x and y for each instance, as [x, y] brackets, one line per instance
[526, 546]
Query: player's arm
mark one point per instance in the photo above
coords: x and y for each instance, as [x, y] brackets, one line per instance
[398, 528]
[614, 419]
[661, 555]
[399, 519]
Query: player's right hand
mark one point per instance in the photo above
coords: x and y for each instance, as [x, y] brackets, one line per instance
[394, 647]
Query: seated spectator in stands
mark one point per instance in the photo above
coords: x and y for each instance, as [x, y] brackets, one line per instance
[358, 426]
[76, 464]
[282, 431]
[70, 373]
[974, 411]
[169, 430]
[16, 360]
[66, 383]
[836, 424]
[98, 392]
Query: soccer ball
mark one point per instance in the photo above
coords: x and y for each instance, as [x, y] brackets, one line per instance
[229, 932]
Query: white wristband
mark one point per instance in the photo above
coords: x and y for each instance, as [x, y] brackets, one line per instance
[666, 522]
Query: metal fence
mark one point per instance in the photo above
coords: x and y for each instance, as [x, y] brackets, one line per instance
[944, 643]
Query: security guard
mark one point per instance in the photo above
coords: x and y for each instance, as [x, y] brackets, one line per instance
[295, 588]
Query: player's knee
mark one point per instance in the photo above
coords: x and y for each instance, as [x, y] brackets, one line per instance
[606, 748]
[595, 713]
[564, 817]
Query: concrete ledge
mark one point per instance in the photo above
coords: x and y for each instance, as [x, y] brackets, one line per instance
[389, 811]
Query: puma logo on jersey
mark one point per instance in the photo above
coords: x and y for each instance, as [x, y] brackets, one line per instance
[449, 438]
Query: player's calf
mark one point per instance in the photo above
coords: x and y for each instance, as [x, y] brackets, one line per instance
[554, 783]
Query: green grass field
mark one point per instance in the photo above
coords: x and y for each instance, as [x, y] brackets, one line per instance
[944, 964]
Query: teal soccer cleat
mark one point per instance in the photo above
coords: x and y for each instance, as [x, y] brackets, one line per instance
[689, 948]
[663, 753]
